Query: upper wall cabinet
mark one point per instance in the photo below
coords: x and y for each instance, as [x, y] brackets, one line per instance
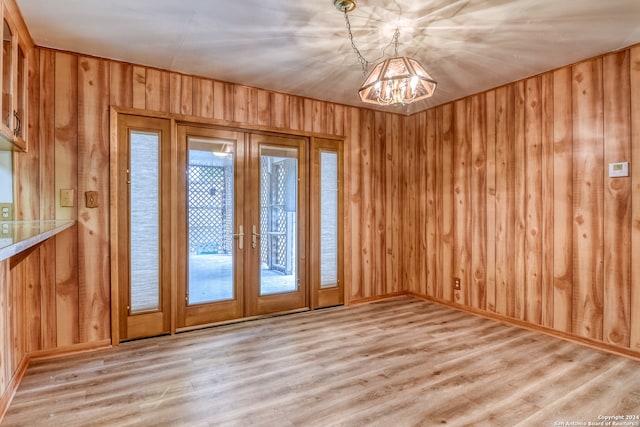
[13, 85]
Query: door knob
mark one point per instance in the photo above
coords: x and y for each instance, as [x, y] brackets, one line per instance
[240, 237]
[254, 237]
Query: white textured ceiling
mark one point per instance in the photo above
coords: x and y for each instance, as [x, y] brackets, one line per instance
[301, 47]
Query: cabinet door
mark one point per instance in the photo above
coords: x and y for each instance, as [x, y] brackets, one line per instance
[13, 85]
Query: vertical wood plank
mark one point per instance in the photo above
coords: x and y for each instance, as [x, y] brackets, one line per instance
[66, 269]
[504, 201]
[139, 87]
[32, 302]
[66, 177]
[202, 98]
[617, 200]
[427, 124]
[367, 217]
[46, 134]
[338, 120]
[48, 283]
[280, 110]
[462, 199]
[448, 200]
[175, 92]
[263, 108]
[219, 100]
[425, 193]
[198, 106]
[229, 101]
[296, 111]
[93, 223]
[563, 200]
[547, 200]
[439, 274]
[395, 134]
[121, 84]
[478, 169]
[635, 199]
[378, 155]
[588, 194]
[353, 176]
[533, 204]
[491, 200]
[186, 95]
[309, 115]
[519, 198]
[157, 90]
[407, 171]
[17, 315]
[241, 104]
[5, 327]
[319, 114]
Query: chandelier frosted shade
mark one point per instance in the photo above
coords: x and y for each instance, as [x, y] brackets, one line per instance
[397, 81]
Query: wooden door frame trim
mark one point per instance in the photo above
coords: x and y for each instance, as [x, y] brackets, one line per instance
[191, 120]
[194, 121]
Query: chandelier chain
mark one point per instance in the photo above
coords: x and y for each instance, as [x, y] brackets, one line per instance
[361, 59]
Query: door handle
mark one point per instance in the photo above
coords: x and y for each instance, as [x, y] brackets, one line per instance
[240, 237]
[254, 237]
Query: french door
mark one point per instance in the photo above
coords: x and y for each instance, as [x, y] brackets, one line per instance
[242, 225]
[214, 224]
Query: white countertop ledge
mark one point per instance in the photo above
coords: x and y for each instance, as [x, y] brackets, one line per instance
[18, 236]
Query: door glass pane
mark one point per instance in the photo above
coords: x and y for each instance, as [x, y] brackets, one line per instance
[144, 220]
[7, 76]
[210, 220]
[20, 95]
[278, 220]
[328, 219]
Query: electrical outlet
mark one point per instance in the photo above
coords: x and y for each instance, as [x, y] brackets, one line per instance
[6, 211]
[456, 283]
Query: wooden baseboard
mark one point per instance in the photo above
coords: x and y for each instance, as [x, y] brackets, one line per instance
[374, 299]
[588, 342]
[12, 387]
[69, 350]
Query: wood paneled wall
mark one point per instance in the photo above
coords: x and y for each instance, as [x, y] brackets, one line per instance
[59, 296]
[509, 191]
[506, 190]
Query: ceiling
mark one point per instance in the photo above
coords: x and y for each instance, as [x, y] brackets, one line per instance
[301, 47]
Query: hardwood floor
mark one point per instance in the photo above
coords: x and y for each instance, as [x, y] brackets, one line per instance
[398, 362]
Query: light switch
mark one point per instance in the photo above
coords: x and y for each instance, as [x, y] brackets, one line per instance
[66, 198]
[91, 199]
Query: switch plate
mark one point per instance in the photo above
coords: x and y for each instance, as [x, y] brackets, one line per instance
[619, 169]
[91, 199]
[6, 211]
[66, 198]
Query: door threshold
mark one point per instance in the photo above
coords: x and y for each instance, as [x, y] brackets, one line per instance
[240, 320]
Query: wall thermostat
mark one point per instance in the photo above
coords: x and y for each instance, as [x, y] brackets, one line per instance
[618, 169]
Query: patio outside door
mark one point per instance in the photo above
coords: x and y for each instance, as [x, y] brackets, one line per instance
[242, 213]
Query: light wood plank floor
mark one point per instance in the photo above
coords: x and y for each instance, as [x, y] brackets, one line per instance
[398, 362]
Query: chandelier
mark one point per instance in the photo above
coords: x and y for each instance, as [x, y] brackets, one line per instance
[394, 81]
